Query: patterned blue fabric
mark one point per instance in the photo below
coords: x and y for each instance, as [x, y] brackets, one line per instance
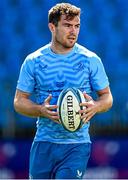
[44, 72]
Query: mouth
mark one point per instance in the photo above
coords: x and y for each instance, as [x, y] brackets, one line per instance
[72, 38]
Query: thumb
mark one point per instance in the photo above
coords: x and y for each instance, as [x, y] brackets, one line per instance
[48, 99]
[87, 97]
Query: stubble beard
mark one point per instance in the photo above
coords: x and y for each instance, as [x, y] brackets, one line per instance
[63, 44]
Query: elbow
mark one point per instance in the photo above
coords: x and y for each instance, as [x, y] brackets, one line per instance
[16, 105]
[110, 103]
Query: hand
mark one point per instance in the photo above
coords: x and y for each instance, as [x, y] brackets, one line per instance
[89, 108]
[48, 110]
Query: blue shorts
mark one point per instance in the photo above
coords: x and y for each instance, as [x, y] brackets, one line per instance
[58, 161]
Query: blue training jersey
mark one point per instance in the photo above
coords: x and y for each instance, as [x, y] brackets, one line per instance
[44, 72]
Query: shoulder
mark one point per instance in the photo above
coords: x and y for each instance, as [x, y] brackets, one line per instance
[86, 52]
[38, 53]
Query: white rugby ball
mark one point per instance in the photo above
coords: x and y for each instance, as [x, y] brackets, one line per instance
[68, 107]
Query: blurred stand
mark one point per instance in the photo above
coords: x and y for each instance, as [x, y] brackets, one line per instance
[104, 27]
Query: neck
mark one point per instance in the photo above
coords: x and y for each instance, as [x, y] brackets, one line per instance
[59, 49]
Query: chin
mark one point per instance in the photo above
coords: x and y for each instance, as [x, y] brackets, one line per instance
[69, 45]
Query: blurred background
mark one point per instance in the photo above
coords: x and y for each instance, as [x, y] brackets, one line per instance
[104, 29]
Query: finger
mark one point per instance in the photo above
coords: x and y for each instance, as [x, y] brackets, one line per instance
[83, 116]
[55, 119]
[87, 117]
[47, 100]
[87, 104]
[85, 120]
[52, 113]
[82, 111]
[85, 110]
[51, 107]
[88, 113]
[87, 97]
[53, 116]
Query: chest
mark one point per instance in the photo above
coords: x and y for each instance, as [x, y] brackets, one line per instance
[61, 73]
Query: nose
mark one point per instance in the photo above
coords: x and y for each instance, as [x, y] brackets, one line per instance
[73, 29]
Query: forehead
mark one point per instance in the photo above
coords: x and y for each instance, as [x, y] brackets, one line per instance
[69, 19]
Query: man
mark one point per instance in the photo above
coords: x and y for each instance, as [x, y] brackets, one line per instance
[57, 153]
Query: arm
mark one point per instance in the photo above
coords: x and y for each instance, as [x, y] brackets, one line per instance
[25, 106]
[105, 100]
[102, 104]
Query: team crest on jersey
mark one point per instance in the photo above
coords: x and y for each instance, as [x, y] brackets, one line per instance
[79, 66]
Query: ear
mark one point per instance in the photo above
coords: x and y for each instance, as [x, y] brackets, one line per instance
[51, 27]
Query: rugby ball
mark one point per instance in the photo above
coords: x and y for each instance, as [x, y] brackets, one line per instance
[68, 108]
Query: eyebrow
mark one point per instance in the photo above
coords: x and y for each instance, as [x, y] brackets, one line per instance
[68, 23]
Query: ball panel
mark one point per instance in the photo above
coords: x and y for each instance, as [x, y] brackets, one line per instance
[68, 103]
[69, 111]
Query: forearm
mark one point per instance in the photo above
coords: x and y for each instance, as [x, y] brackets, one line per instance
[104, 102]
[27, 107]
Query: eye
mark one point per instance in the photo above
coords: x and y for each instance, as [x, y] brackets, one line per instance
[77, 26]
[67, 25]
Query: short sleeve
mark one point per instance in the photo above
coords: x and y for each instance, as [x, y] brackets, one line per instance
[26, 81]
[98, 77]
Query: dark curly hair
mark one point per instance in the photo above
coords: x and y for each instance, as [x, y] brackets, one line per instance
[62, 9]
